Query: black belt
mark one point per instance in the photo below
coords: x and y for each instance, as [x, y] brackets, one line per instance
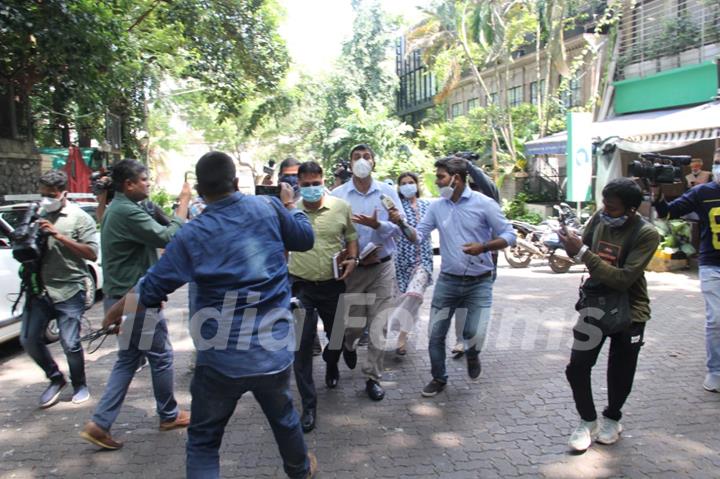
[298, 279]
[384, 260]
[468, 278]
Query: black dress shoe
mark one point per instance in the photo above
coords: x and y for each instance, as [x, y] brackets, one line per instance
[474, 367]
[332, 374]
[350, 358]
[307, 420]
[374, 390]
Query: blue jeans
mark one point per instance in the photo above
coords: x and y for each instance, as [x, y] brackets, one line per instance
[214, 397]
[470, 300]
[38, 312]
[710, 286]
[133, 343]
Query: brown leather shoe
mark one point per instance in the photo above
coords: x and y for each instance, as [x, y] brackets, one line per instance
[313, 465]
[182, 420]
[94, 434]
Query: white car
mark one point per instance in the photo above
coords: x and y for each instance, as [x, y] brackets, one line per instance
[10, 281]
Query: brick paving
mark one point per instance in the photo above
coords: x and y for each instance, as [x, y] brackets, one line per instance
[513, 422]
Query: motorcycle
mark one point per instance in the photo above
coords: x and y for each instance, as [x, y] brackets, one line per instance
[542, 242]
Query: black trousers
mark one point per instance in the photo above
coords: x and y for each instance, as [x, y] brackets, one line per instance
[318, 299]
[622, 362]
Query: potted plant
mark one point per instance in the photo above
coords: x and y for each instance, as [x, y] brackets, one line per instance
[674, 248]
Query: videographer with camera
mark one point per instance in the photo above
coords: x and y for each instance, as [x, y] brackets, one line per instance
[71, 239]
[130, 239]
[704, 200]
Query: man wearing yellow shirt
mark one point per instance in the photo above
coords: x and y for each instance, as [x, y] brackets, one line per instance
[314, 283]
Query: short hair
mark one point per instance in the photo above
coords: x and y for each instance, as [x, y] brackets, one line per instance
[54, 179]
[454, 165]
[215, 173]
[124, 170]
[414, 176]
[288, 162]
[362, 146]
[310, 168]
[696, 160]
[624, 189]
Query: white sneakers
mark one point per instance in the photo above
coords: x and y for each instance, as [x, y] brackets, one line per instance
[712, 383]
[583, 435]
[605, 431]
[609, 431]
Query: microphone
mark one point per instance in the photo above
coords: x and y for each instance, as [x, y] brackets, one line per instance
[389, 204]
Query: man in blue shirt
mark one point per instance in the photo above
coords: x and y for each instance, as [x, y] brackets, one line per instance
[375, 275]
[243, 330]
[471, 225]
[704, 199]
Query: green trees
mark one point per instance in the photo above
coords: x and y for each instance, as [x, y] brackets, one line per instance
[480, 40]
[73, 60]
[321, 118]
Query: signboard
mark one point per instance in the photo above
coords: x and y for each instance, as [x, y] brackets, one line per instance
[579, 156]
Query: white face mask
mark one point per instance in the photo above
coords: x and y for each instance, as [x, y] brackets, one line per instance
[51, 205]
[716, 173]
[362, 168]
[408, 190]
[447, 191]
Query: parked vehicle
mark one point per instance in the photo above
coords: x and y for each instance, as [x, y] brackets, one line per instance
[542, 242]
[10, 280]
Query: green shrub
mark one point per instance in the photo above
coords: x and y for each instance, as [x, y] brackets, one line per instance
[517, 210]
[163, 199]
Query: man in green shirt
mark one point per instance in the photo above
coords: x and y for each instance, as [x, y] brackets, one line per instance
[315, 284]
[615, 247]
[130, 239]
[72, 240]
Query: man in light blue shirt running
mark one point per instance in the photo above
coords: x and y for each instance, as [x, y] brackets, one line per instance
[471, 225]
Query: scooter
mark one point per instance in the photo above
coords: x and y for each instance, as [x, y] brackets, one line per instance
[542, 241]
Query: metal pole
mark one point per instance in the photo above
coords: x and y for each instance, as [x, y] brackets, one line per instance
[495, 161]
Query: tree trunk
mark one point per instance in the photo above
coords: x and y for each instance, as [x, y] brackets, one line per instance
[65, 135]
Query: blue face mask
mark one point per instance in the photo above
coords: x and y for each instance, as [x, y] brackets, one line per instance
[613, 222]
[408, 190]
[312, 194]
[291, 180]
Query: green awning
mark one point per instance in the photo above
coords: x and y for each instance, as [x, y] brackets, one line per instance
[60, 156]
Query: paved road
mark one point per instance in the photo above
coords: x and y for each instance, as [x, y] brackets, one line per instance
[513, 422]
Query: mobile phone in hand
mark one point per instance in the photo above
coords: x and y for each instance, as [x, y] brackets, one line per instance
[267, 190]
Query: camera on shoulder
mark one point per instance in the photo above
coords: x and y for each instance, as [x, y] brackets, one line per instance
[659, 169]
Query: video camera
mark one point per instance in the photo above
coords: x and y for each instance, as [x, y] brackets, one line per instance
[28, 240]
[659, 168]
[342, 171]
[470, 156]
[101, 181]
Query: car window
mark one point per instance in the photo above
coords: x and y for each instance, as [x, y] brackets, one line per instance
[13, 218]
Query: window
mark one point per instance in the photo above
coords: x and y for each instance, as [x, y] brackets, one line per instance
[472, 104]
[571, 96]
[492, 99]
[456, 110]
[535, 95]
[515, 95]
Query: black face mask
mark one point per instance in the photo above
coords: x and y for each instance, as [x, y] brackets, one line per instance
[291, 180]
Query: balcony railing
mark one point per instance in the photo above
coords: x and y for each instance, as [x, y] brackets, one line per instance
[660, 35]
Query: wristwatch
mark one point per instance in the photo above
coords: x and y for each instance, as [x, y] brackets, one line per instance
[355, 258]
[579, 255]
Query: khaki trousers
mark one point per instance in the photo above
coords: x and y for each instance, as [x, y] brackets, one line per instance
[369, 301]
